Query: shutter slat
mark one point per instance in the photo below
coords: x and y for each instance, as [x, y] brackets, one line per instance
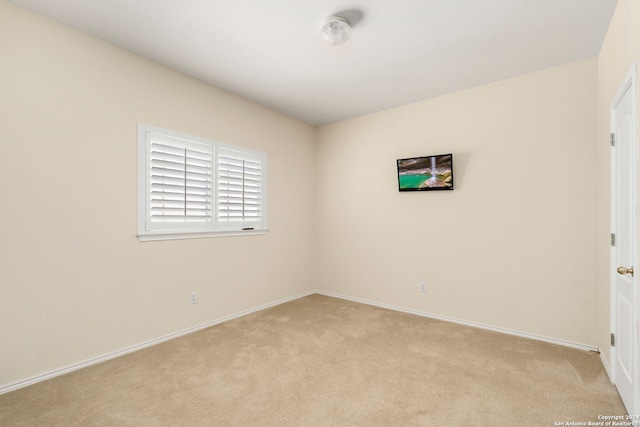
[230, 177]
[201, 159]
[174, 188]
[158, 147]
[165, 164]
[167, 172]
[167, 203]
[167, 180]
[198, 175]
[198, 169]
[157, 195]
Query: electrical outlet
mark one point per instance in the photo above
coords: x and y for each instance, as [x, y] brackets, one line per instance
[194, 298]
[423, 287]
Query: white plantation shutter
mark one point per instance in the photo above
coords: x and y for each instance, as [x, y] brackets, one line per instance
[240, 184]
[193, 187]
[180, 183]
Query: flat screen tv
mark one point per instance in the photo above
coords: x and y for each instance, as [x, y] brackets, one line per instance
[426, 173]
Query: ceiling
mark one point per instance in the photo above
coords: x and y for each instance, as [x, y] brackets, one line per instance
[400, 51]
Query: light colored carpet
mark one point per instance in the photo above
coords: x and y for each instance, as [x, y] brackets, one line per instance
[320, 361]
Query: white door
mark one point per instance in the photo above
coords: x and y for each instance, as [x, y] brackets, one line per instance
[624, 211]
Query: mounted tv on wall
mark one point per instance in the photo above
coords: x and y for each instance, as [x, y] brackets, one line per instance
[426, 173]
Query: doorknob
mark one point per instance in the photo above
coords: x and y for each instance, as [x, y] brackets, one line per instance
[625, 270]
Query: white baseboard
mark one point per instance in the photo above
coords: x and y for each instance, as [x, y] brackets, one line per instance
[36, 379]
[606, 365]
[464, 322]
[55, 373]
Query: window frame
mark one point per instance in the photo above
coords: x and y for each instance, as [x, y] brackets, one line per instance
[191, 230]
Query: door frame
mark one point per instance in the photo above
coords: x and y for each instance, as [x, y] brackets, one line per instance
[628, 84]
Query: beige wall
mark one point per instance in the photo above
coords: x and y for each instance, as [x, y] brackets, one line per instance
[75, 283]
[620, 50]
[513, 246]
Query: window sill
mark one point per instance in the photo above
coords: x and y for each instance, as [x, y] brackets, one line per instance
[153, 236]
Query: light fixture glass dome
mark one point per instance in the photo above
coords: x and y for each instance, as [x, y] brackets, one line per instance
[336, 30]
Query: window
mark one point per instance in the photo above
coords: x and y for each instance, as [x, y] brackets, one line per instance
[191, 187]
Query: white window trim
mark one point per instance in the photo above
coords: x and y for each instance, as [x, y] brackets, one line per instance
[213, 229]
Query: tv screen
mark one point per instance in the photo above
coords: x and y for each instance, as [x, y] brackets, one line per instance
[426, 173]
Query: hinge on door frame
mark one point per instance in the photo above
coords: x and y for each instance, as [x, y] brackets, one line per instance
[613, 340]
[613, 139]
[613, 239]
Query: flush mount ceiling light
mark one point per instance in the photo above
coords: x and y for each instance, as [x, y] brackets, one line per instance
[336, 30]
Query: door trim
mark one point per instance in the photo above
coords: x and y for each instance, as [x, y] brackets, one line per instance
[629, 84]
